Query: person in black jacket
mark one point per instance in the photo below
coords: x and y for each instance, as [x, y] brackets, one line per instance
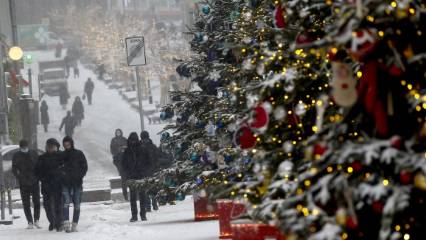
[74, 170]
[136, 164]
[78, 110]
[48, 172]
[69, 122]
[89, 86]
[117, 147]
[44, 115]
[23, 165]
[153, 154]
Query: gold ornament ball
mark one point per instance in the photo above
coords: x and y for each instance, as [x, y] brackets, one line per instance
[420, 181]
[341, 216]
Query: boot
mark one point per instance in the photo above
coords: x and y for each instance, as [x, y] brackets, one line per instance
[133, 219]
[74, 227]
[67, 226]
[30, 226]
[143, 217]
[59, 227]
[37, 224]
[51, 227]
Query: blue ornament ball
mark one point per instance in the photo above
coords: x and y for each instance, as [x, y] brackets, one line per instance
[206, 9]
[165, 136]
[199, 181]
[194, 157]
[163, 116]
[228, 158]
[180, 196]
[199, 37]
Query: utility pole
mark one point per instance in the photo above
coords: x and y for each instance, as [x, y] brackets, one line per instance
[139, 89]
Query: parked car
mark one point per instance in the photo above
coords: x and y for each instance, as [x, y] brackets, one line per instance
[7, 153]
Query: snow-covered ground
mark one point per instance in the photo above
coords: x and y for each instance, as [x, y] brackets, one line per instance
[107, 221]
[108, 112]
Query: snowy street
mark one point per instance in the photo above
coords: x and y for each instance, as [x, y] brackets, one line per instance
[107, 221]
[108, 112]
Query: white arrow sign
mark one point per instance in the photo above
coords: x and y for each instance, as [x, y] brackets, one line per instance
[135, 48]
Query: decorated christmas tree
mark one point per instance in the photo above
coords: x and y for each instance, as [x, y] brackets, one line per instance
[368, 180]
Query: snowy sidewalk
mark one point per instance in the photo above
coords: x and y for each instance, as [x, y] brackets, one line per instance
[108, 112]
[111, 222]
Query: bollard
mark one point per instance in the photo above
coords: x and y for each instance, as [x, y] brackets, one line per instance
[2, 206]
[9, 201]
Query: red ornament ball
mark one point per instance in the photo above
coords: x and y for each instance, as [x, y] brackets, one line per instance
[357, 166]
[320, 149]
[245, 138]
[260, 117]
[405, 177]
[397, 142]
[378, 206]
[351, 223]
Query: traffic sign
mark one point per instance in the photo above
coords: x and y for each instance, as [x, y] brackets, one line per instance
[135, 48]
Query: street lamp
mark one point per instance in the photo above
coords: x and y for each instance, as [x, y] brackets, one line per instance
[15, 53]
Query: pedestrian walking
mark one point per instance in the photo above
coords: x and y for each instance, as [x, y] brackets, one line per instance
[78, 110]
[58, 50]
[23, 165]
[153, 154]
[118, 146]
[69, 123]
[48, 172]
[89, 86]
[136, 162]
[67, 62]
[63, 97]
[74, 170]
[44, 115]
[76, 72]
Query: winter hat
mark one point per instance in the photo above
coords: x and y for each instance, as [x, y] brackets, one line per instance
[144, 135]
[23, 143]
[68, 139]
[52, 142]
[133, 139]
[118, 130]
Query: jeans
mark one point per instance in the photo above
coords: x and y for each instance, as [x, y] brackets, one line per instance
[72, 193]
[134, 194]
[52, 203]
[26, 193]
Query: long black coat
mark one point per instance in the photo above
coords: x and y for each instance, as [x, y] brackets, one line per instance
[23, 165]
[74, 167]
[44, 114]
[89, 86]
[78, 109]
[117, 143]
[69, 123]
[136, 163]
[48, 171]
[63, 96]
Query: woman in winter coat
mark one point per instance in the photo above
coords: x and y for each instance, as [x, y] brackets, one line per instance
[44, 119]
[78, 110]
[63, 97]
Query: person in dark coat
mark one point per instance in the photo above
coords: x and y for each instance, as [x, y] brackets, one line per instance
[70, 123]
[74, 170]
[117, 147]
[76, 72]
[153, 153]
[44, 115]
[89, 86]
[135, 165]
[78, 110]
[63, 97]
[48, 172]
[23, 165]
